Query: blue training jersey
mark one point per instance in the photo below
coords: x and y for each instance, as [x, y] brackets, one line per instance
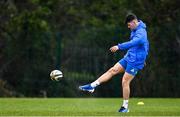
[138, 46]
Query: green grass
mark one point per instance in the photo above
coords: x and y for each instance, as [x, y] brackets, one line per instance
[87, 107]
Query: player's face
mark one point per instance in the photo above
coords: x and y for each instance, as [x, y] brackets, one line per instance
[131, 25]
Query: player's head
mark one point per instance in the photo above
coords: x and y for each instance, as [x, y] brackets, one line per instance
[131, 21]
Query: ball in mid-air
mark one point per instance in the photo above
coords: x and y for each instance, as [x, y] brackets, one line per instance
[56, 75]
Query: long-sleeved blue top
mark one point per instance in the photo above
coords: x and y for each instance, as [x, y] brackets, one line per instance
[137, 48]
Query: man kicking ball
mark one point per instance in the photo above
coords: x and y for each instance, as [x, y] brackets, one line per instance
[134, 60]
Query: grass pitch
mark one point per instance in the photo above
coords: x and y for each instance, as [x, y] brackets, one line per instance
[88, 107]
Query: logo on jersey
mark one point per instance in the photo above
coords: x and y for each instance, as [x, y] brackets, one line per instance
[132, 70]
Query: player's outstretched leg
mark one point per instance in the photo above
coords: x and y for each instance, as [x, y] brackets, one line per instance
[117, 68]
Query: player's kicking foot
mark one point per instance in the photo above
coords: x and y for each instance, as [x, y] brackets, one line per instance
[123, 110]
[87, 87]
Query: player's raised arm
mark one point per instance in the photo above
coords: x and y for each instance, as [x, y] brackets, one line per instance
[137, 40]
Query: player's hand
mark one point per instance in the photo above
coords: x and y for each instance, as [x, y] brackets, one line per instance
[114, 48]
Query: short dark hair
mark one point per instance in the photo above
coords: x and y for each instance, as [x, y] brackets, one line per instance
[130, 17]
